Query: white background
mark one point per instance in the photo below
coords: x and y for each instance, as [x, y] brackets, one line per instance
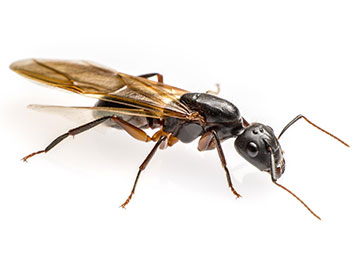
[273, 59]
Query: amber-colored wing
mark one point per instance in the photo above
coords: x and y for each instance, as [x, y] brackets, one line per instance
[144, 97]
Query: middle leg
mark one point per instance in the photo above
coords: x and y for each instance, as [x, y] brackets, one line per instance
[142, 167]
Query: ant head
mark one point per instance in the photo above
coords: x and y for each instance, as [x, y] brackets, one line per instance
[259, 146]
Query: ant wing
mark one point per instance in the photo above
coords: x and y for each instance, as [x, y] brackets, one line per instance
[141, 96]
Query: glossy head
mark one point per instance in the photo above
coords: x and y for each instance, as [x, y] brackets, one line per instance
[256, 144]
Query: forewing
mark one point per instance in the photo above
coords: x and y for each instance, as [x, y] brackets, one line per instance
[146, 97]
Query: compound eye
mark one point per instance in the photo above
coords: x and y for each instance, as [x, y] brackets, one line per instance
[252, 149]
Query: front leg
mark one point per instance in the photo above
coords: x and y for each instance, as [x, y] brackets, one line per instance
[209, 141]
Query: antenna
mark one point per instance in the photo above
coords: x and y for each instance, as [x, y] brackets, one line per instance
[294, 195]
[274, 178]
[301, 116]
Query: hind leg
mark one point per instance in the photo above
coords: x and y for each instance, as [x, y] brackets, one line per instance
[135, 132]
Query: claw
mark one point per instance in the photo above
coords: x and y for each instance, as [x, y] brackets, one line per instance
[32, 154]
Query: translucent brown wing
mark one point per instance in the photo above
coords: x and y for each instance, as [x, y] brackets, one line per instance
[144, 97]
[68, 111]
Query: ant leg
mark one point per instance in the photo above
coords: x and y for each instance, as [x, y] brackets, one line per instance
[130, 129]
[224, 163]
[206, 142]
[214, 92]
[142, 167]
[72, 132]
[149, 75]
